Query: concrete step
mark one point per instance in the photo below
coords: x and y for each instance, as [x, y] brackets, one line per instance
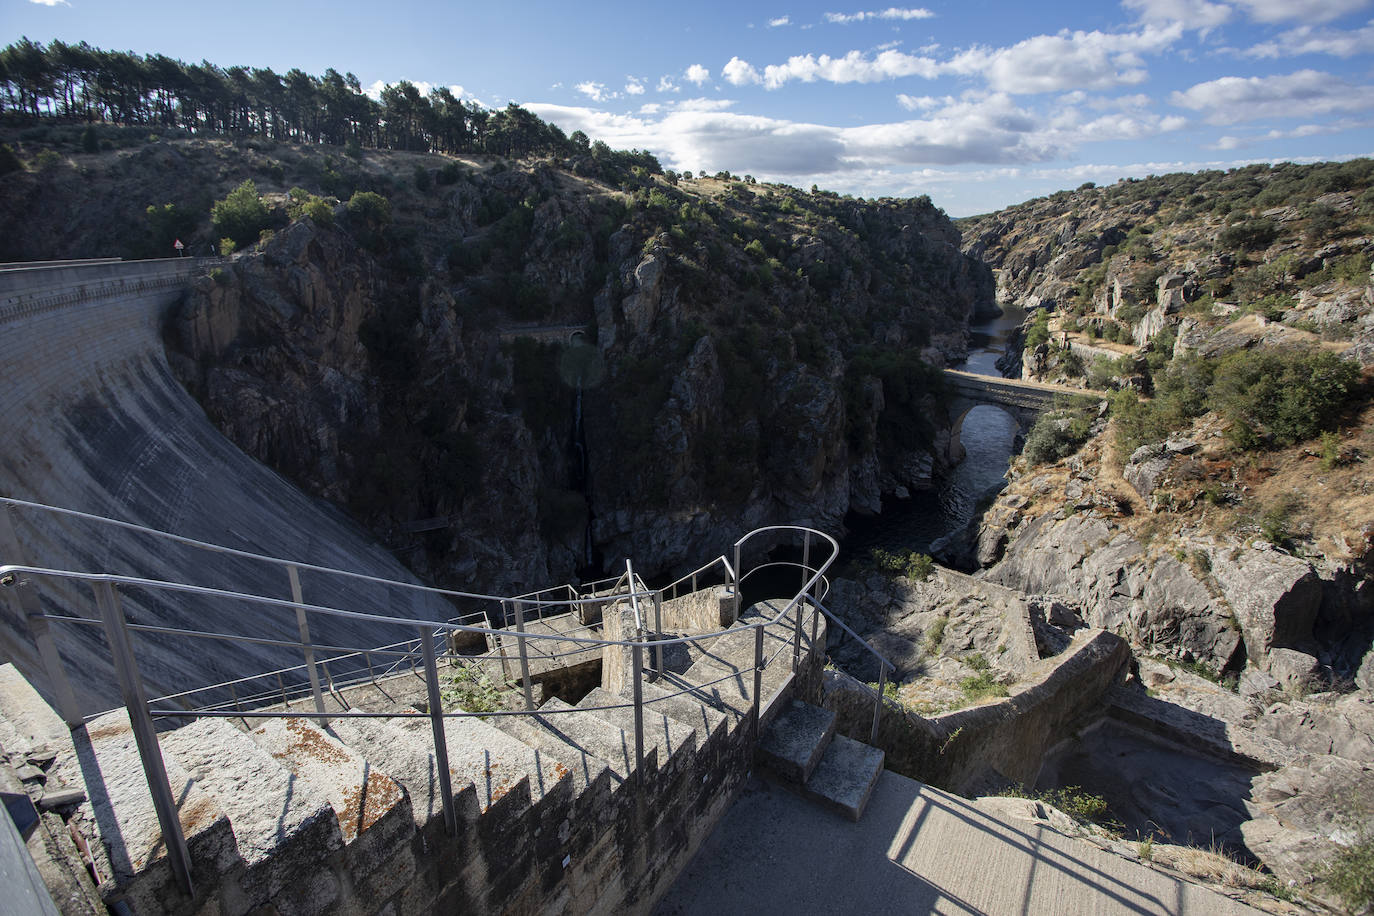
[667, 698]
[284, 827]
[844, 779]
[119, 803]
[600, 738]
[793, 744]
[549, 734]
[407, 756]
[371, 808]
[674, 741]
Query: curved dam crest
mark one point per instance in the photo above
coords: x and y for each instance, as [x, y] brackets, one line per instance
[95, 421]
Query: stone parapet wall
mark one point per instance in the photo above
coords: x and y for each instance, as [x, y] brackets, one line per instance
[1005, 741]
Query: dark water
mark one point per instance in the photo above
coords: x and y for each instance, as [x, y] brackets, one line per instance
[987, 437]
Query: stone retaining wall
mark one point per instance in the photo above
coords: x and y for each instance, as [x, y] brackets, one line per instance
[992, 744]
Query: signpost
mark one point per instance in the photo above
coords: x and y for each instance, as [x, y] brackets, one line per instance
[181, 249]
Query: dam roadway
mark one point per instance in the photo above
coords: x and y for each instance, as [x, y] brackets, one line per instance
[96, 421]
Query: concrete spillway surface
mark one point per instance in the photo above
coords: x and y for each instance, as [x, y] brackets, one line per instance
[95, 421]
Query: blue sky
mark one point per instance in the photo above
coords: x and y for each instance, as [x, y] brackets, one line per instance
[979, 104]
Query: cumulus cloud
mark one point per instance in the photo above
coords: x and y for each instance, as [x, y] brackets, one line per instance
[1307, 40]
[634, 86]
[1068, 60]
[1233, 98]
[696, 74]
[854, 67]
[891, 13]
[1201, 15]
[779, 22]
[740, 73]
[666, 84]
[51, 2]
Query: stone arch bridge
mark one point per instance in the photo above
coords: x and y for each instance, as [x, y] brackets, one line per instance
[1024, 401]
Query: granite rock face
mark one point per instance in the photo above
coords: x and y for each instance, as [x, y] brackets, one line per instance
[1275, 598]
[495, 447]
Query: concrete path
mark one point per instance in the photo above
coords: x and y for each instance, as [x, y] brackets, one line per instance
[917, 850]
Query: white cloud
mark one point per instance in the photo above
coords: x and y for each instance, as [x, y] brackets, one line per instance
[854, 67]
[740, 73]
[779, 22]
[1307, 40]
[978, 128]
[697, 74]
[919, 103]
[1307, 92]
[1193, 14]
[1068, 60]
[703, 104]
[1307, 10]
[650, 108]
[666, 84]
[374, 90]
[634, 86]
[891, 13]
[594, 91]
[51, 2]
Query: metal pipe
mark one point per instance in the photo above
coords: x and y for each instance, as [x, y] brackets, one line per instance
[758, 674]
[145, 735]
[658, 631]
[878, 706]
[738, 580]
[524, 654]
[436, 720]
[638, 653]
[306, 647]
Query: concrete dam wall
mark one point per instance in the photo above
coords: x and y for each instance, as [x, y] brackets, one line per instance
[95, 421]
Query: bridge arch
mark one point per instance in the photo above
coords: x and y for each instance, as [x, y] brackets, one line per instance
[1022, 400]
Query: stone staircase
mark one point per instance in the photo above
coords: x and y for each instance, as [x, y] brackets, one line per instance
[803, 752]
[555, 811]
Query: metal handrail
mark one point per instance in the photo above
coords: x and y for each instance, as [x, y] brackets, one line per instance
[883, 666]
[141, 711]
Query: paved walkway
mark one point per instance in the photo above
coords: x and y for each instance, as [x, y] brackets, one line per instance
[917, 850]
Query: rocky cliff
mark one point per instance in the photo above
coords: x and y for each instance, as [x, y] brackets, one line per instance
[530, 372]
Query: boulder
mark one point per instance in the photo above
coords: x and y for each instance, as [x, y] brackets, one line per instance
[1274, 596]
[1294, 670]
[1146, 467]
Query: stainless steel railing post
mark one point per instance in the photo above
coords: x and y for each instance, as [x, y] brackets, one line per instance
[31, 609]
[637, 651]
[524, 654]
[758, 671]
[304, 626]
[149, 751]
[739, 577]
[878, 706]
[436, 721]
[658, 634]
[501, 643]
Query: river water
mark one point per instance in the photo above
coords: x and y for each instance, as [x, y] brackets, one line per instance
[987, 436]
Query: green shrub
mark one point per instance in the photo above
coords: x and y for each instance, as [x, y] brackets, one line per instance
[241, 216]
[227, 247]
[981, 686]
[1039, 331]
[369, 209]
[1284, 395]
[1057, 434]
